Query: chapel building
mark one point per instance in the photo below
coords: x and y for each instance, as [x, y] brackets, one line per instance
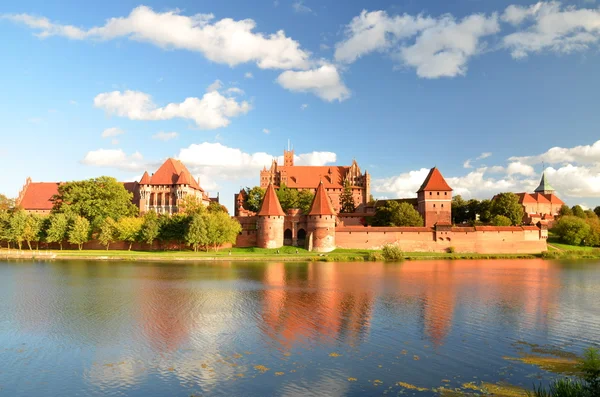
[541, 206]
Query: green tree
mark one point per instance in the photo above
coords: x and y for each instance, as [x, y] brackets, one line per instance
[254, 197]
[501, 220]
[571, 229]
[305, 199]
[5, 227]
[347, 199]
[191, 205]
[58, 229]
[197, 232]
[216, 207]
[33, 229]
[593, 237]
[150, 228]
[397, 214]
[597, 211]
[108, 232]
[590, 214]
[459, 209]
[507, 204]
[221, 229]
[18, 225]
[288, 198]
[565, 211]
[6, 203]
[95, 199]
[578, 211]
[79, 231]
[128, 229]
[485, 211]
[173, 228]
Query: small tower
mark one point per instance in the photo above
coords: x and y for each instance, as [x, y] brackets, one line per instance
[544, 187]
[144, 187]
[288, 158]
[434, 199]
[270, 221]
[321, 222]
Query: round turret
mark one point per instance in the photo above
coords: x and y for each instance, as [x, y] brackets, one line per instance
[269, 232]
[321, 222]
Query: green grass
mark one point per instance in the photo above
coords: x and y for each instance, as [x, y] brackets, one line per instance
[555, 241]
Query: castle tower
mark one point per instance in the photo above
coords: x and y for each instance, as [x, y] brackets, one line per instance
[288, 158]
[434, 199]
[321, 222]
[544, 187]
[144, 192]
[270, 221]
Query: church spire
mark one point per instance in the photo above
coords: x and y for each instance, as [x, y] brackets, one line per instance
[544, 187]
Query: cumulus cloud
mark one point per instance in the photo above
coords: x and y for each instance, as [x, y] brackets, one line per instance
[519, 168]
[114, 158]
[442, 46]
[165, 136]
[584, 154]
[467, 164]
[211, 111]
[224, 41]
[484, 155]
[325, 82]
[113, 131]
[216, 86]
[550, 27]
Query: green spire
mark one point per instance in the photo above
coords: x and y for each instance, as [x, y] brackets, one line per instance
[544, 186]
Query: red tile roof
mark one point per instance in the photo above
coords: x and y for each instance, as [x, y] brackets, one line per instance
[169, 174]
[145, 179]
[321, 204]
[540, 198]
[37, 196]
[270, 205]
[525, 198]
[308, 177]
[554, 199]
[183, 179]
[434, 181]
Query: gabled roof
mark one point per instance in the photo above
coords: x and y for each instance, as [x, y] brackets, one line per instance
[434, 181]
[170, 173]
[525, 198]
[183, 179]
[540, 198]
[309, 177]
[270, 205]
[145, 179]
[37, 196]
[544, 186]
[553, 198]
[321, 204]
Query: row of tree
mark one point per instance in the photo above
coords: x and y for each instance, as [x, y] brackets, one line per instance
[577, 226]
[503, 210]
[101, 209]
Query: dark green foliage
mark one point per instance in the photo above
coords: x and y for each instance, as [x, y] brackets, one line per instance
[254, 198]
[215, 207]
[597, 211]
[507, 204]
[590, 368]
[173, 228]
[563, 387]
[305, 199]
[95, 199]
[565, 210]
[571, 230]
[288, 198]
[501, 220]
[150, 228]
[397, 214]
[346, 199]
[391, 252]
[578, 212]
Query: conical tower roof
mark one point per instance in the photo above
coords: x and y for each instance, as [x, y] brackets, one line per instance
[145, 179]
[321, 204]
[270, 205]
[544, 185]
[434, 181]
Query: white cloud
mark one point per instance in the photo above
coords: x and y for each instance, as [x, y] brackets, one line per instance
[216, 86]
[248, 75]
[519, 168]
[212, 111]
[325, 82]
[266, 131]
[484, 155]
[467, 164]
[224, 41]
[300, 7]
[442, 47]
[550, 27]
[165, 136]
[304, 106]
[313, 158]
[114, 158]
[584, 154]
[113, 131]
[235, 91]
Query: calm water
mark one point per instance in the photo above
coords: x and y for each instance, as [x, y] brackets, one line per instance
[239, 329]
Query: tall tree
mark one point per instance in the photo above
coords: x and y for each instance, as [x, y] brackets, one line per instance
[347, 199]
[173, 228]
[565, 211]
[501, 220]
[95, 199]
[397, 214]
[79, 231]
[150, 228]
[58, 229]
[571, 229]
[128, 229]
[33, 227]
[507, 204]
[254, 197]
[5, 227]
[109, 232]
[18, 225]
[191, 205]
[485, 211]
[459, 209]
[197, 232]
[288, 198]
[6, 203]
[221, 229]
[578, 212]
[216, 207]
[305, 199]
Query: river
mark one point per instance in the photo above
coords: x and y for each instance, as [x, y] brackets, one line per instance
[78, 328]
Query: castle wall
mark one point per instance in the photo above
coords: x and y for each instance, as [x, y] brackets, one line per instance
[322, 232]
[490, 241]
[270, 232]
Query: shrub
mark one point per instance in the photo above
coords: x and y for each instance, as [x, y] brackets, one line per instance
[392, 252]
[450, 250]
[563, 387]
[376, 256]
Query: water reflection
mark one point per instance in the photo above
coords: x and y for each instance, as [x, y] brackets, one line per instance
[204, 328]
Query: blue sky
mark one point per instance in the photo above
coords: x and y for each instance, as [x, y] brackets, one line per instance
[491, 92]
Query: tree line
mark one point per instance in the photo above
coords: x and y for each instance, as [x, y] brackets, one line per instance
[576, 226]
[101, 209]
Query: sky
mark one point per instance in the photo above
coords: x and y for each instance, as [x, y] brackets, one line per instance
[490, 92]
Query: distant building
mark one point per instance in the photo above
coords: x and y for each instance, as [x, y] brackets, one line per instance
[541, 206]
[309, 177]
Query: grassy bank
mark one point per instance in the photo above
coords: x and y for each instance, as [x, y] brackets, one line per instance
[248, 254]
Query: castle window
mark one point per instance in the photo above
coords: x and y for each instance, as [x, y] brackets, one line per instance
[438, 193]
[445, 193]
[430, 193]
[442, 205]
[434, 206]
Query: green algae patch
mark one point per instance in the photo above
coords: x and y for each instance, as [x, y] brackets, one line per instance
[408, 386]
[483, 388]
[504, 390]
[558, 365]
[261, 368]
[335, 355]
